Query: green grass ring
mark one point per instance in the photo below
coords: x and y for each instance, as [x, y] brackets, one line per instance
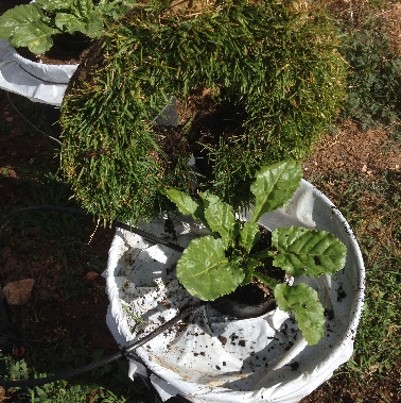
[277, 67]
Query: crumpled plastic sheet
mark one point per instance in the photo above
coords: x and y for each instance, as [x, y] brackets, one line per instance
[214, 358]
[38, 82]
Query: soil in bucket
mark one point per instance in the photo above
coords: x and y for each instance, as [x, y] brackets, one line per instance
[255, 298]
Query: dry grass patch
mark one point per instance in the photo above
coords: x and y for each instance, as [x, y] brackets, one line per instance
[356, 151]
[392, 24]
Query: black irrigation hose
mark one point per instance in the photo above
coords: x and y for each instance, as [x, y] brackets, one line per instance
[124, 351]
[150, 237]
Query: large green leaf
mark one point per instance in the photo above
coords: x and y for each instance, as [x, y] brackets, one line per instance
[208, 198]
[90, 25]
[95, 25]
[274, 185]
[248, 235]
[304, 251]
[81, 8]
[54, 5]
[205, 271]
[185, 204]
[68, 22]
[220, 218]
[303, 301]
[116, 8]
[26, 26]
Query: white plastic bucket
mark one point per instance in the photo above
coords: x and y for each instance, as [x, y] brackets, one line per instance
[215, 360]
[38, 82]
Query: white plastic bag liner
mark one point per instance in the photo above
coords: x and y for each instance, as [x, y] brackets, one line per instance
[39, 82]
[213, 358]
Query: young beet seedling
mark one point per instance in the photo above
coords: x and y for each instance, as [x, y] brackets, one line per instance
[216, 264]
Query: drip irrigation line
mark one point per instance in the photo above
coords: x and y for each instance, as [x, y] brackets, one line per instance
[40, 78]
[124, 352]
[127, 351]
[29, 122]
[150, 237]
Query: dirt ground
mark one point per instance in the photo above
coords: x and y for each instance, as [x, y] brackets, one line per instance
[24, 152]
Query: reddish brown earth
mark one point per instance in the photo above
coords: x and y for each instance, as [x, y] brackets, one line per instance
[68, 299]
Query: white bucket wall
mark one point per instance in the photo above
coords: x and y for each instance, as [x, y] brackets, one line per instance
[215, 360]
[38, 82]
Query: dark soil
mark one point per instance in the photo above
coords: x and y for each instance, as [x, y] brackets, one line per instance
[68, 305]
[7, 4]
[66, 50]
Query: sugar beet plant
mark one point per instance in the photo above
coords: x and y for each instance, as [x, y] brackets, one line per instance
[34, 25]
[216, 264]
[277, 65]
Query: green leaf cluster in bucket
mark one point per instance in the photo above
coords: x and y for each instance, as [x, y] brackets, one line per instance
[34, 25]
[216, 265]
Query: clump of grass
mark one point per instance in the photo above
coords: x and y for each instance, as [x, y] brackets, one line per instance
[107, 384]
[374, 96]
[369, 29]
[275, 63]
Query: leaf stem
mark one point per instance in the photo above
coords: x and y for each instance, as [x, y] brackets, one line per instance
[270, 282]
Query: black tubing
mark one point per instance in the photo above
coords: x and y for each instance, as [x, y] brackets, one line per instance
[150, 237]
[124, 352]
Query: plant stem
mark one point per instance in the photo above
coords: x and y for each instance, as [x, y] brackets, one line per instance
[270, 282]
